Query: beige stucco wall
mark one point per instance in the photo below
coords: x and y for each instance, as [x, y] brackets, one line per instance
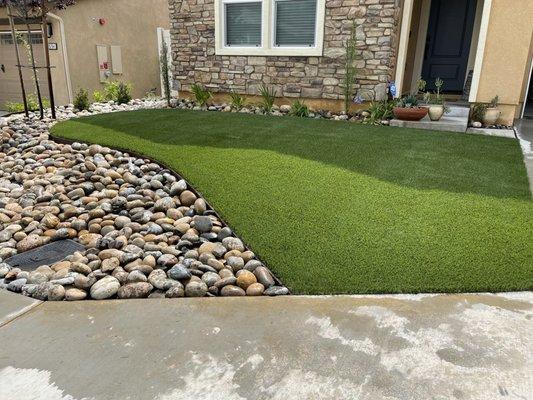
[129, 23]
[506, 55]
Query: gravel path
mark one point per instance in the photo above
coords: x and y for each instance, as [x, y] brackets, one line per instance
[146, 232]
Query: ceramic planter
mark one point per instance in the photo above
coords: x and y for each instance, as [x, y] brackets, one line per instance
[410, 114]
[436, 111]
[491, 116]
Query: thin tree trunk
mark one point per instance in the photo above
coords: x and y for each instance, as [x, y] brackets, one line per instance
[35, 76]
[47, 60]
[15, 41]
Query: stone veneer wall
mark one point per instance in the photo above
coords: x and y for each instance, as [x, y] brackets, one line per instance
[194, 59]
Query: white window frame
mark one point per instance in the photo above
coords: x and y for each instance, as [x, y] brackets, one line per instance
[267, 47]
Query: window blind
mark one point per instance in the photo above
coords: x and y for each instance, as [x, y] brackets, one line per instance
[295, 22]
[243, 24]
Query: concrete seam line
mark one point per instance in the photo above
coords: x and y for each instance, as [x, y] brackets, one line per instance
[16, 315]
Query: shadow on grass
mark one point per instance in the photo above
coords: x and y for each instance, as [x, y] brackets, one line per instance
[425, 160]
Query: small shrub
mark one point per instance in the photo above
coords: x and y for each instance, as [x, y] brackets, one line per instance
[118, 92]
[98, 96]
[268, 96]
[81, 101]
[478, 112]
[201, 94]
[123, 93]
[494, 102]
[111, 90]
[14, 107]
[299, 109]
[381, 110]
[237, 100]
[33, 104]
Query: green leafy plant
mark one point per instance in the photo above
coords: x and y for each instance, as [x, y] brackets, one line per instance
[268, 96]
[436, 98]
[81, 101]
[123, 93]
[99, 96]
[33, 104]
[201, 94]
[118, 91]
[381, 110]
[478, 112]
[237, 100]
[421, 85]
[350, 69]
[494, 102]
[165, 70]
[409, 101]
[299, 109]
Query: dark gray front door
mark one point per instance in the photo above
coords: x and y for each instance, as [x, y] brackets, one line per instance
[451, 23]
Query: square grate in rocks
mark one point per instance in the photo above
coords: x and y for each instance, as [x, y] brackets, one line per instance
[45, 255]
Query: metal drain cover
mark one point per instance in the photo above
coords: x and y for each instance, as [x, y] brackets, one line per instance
[45, 255]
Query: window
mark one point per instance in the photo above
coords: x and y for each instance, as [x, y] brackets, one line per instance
[295, 23]
[7, 39]
[269, 27]
[243, 24]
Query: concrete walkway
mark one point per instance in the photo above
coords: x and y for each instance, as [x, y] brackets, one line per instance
[346, 347]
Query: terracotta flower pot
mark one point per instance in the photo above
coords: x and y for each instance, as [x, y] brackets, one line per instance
[410, 114]
[491, 116]
[436, 111]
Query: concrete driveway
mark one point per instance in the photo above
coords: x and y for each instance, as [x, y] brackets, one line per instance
[346, 347]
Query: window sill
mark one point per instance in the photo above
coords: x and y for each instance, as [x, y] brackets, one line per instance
[278, 51]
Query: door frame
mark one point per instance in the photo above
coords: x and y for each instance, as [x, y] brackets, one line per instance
[526, 91]
[403, 42]
[421, 41]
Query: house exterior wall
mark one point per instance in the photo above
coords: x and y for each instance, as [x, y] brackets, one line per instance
[130, 24]
[194, 59]
[507, 55]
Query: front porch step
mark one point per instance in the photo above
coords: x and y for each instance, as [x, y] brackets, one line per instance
[458, 111]
[447, 123]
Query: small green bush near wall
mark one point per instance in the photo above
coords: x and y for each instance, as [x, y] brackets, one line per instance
[201, 94]
[33, 104]
[299, 109]
[117, 91]
[81, 102]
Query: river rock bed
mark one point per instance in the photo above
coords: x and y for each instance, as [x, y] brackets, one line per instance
[146, 233]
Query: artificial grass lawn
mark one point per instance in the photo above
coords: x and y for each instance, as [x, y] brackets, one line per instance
[336, 207]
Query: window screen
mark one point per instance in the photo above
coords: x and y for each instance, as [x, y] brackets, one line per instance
[295, 22]
[243, 24]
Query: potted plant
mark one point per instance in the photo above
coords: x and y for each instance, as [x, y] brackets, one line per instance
[492, 113]
[437, 108]
[477, 113]
[407, 109]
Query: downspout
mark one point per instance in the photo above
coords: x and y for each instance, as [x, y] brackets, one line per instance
[65, 55]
